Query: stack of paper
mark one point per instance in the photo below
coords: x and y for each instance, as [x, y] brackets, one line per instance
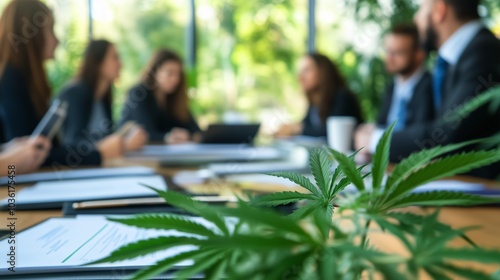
[206, 153]
[66, 244]
[61, 174]
[54, 194]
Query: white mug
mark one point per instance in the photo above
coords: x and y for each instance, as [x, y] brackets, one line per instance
[340, 131]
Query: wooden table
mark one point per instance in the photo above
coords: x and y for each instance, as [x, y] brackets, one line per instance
[487, 218]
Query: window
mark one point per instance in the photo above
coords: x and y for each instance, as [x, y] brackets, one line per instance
[247, 56]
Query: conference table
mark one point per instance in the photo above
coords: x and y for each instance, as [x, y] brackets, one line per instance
[486, 218]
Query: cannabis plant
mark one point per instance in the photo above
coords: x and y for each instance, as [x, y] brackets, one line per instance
[327, 237]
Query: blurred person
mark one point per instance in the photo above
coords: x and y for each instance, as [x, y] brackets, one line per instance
[160, 102]
[27, 40]
[89, 96]
[408, 99]
[23, 155]
[327, 94]
[468, 64]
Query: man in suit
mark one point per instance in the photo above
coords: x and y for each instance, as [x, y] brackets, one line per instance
[408, 99]
[468, 64]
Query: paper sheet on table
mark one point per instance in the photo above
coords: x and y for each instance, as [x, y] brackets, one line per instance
[65, 244]
[207, 152]
[451, 185]
[261, 182]
[60, 175]
[92, 189]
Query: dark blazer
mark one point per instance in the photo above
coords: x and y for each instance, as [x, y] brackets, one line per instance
[80, 99]
[477, 70]
[18, 119]
[420, 108]
[344, 104]
[141, 107]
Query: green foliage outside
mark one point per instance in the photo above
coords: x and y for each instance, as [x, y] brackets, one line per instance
[251, 242]
[247, 50]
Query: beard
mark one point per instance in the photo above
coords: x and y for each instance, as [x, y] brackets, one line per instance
[408, 69]
[429, 41]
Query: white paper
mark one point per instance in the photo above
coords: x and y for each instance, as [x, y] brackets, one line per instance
[60, 175]
[63, 244]
[206, 152]
[92, 189]
[450, 185]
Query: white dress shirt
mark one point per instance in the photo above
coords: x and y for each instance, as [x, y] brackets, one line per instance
[450, 51]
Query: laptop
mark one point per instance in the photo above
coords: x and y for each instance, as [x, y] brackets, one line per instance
[230, 134]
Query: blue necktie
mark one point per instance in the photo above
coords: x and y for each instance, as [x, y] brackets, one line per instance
[401, 115]
[440, 72]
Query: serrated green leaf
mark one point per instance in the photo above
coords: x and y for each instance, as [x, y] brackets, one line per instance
[194, 207]
[393, 229]
[349, 169]
[218, 271]
[332, 189]
[165, 222]
[250, 242]
[344, 182]
[281, 198]
[442, 168]
[410, 220]
[304, 211]
[491, 96]
[436, 273]
[381, 157]
[166, 264]
[390, 271]
[320, 168]
[264, 217]
[416, 161]
[440, 198]
[464, 273]
[299, 180]
[201, 263]
[469, 254]
[145, 247]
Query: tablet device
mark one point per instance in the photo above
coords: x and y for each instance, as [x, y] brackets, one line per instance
[52, 121]
[230, 134]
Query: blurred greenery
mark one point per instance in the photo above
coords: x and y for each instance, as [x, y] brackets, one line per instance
[247, 50]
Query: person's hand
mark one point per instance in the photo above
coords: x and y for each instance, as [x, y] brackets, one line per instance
[27, 155]
[362, 138]
[136, 139]
[288, 130]
[197, 137]
[177, 136]
[111, 147]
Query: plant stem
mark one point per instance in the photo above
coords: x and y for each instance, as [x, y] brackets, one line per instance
[365, 233]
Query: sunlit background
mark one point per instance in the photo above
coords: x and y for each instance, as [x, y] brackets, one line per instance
[247, 51]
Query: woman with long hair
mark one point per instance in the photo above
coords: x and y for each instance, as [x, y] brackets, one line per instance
[327, 95]
[27, 40]
[89, 96]
[160, 102]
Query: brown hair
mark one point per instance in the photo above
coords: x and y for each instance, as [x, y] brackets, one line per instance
[177, 102]
[409, 30]
[22, 41]
[465, 9]
[330, 82]
[90, 71]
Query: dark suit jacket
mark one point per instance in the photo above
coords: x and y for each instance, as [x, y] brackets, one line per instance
[18, 119]
[80, 99]
[477, 70]
[141, 107]
[345, 104]
[420, 108]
